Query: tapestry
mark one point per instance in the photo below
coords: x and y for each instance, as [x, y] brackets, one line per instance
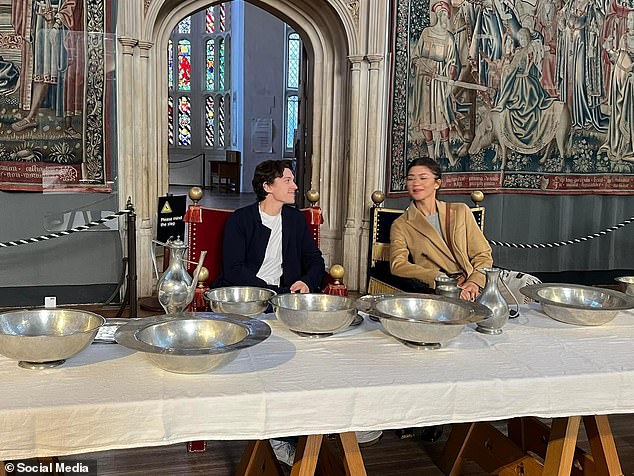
[523, 96]
[56, 94]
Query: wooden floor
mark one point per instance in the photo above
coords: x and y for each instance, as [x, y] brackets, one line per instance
[390, 457]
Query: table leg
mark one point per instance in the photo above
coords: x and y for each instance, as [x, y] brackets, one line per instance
[2, 470]
[352, 454]
[561, 446]
[602, 446]
[306, 455]
[258, 459]
[453, 454]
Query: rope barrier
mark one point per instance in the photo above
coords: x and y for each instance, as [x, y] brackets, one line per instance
[565, 242]
[185, 160]
[59, 234]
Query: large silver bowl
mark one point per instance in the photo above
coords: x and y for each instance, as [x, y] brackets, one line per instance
[192, 343]
[314, 315]
[44, 338]
[426, 321]
[579, 305]
[627, 284]
[245, 300]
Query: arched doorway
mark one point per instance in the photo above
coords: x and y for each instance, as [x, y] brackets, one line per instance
[340, 140]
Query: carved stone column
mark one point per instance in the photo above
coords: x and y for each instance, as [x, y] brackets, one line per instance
[145, 171]
[127, 175]
[354, 214]
[372, 179]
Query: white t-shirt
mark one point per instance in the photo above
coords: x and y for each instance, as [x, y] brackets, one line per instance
[271, 269]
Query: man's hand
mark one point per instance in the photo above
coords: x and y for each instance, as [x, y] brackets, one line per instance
[300, 286]
[470, 291]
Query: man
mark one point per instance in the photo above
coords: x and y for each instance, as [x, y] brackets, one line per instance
[268, 244]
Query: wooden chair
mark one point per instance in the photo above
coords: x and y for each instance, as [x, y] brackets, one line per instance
[380, 279]
[228, 172]
[206, 230]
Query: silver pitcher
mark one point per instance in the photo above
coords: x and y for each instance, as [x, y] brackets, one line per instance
[176, 287]
[492, 298]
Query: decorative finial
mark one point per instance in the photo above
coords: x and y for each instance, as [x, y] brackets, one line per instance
[203, 276]
[312, 196]
[337, 272]
[476, 197]
[195, 193]
[378, 197]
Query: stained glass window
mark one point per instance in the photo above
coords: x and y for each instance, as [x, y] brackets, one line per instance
[209, 122]
[210, 27]
[221, 63]
[170, 119]
[184, 65]
[184, 121]
[209, 83]
[292, 103]
[199, 61]
[170, 64]
[223, 18]
[292, 65]
[185, 26]
[221, 121]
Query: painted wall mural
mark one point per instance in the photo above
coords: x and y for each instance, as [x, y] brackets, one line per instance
[56, 94]
[528, 96]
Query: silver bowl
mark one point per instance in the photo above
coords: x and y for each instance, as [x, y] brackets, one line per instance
[245, 300]
[45, 338]
[426, 321]
[627, 284]
[364, 304]
[579, 305]
[314, 315]
[192, 343]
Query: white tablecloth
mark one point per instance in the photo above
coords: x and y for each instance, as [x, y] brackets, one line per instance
[108, 397]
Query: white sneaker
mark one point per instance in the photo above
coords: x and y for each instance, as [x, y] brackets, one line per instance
[368, 438]
[284, 451]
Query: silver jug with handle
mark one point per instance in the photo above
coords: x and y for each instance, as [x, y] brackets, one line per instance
[492, 298]
[176, 287]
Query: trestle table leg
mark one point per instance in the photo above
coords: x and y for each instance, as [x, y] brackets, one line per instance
[602, 446]
[561, 446]
[352, 454]
[258, 459]
[306, 455]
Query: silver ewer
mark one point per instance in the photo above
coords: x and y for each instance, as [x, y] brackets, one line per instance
[492, 298]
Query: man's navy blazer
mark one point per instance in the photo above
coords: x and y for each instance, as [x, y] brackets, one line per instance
[244, 247]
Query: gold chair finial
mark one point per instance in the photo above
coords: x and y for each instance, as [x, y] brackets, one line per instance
[378, 197]
[195, 193]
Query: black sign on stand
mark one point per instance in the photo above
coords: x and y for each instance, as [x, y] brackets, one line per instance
[171, 210]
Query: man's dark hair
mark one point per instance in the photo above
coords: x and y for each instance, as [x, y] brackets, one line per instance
[267, 172]
[431, 164]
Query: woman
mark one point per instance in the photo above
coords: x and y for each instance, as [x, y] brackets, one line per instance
[422, 233]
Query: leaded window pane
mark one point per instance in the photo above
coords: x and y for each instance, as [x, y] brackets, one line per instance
[184, 121]
[292, 65]
[184, 65]
[292, 107]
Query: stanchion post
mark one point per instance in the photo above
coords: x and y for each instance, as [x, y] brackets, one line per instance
[132, 274]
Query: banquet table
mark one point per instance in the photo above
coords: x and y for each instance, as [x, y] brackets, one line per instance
[109, 397]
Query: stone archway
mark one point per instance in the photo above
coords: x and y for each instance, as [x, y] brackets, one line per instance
[330, 29]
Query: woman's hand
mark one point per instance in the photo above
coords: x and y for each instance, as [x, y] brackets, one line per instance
[300, 286]
[470, 291]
